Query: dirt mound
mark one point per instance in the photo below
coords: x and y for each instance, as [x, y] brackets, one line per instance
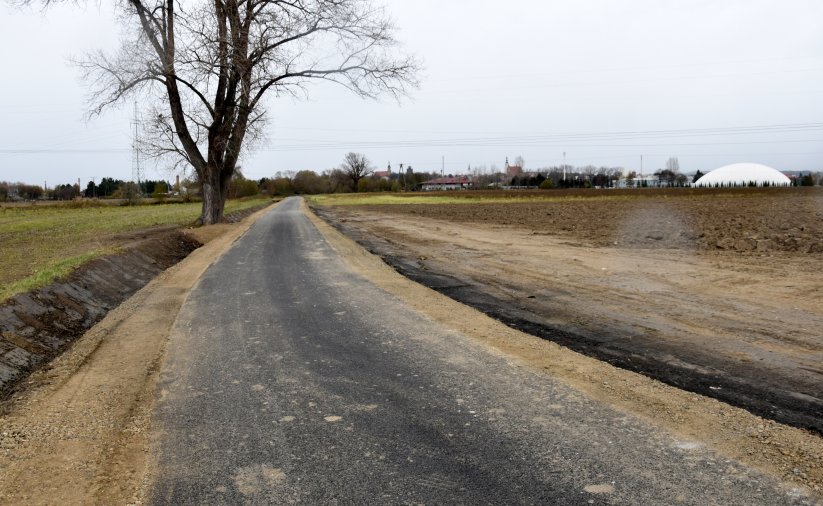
[38, 325]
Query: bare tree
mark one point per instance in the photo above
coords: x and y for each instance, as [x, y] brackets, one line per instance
[673, 165]
[356, 166]
[520, 162]
[209, 64]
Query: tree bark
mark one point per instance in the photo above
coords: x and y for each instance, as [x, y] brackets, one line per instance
[215, 191]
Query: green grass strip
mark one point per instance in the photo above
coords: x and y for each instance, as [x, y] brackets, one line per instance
[49, 274]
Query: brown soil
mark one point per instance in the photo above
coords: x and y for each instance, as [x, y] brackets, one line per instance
[639, 283]
[792, 454]
[745, 220]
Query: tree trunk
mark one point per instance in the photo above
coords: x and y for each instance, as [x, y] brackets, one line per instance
[214, 196]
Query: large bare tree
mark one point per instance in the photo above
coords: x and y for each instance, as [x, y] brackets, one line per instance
[673, 165]
[356, 166]
[210, 64]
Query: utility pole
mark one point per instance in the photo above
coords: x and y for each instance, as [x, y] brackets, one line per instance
[443, 166]
[137, 170]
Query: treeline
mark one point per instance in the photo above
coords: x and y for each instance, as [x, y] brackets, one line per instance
[547, 177]
[107, 188]
[309, 182]
[19, 191]
[343, 180]
[810, 179]
[117, 188]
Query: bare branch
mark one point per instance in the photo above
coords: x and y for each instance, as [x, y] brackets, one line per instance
[207, 65]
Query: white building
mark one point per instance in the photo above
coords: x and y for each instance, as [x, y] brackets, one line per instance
[742, 174]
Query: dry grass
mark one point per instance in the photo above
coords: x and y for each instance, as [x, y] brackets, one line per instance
[41, 243]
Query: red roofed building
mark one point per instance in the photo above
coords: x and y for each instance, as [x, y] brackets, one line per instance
[448, 183]
[514, 170]
[384, 174]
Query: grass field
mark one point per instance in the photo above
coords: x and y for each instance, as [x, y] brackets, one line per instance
[41, 243]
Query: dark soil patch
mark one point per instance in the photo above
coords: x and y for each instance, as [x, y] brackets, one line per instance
[766, 393]
[747, 220]
[38, 325]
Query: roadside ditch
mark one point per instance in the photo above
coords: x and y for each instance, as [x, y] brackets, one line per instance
[38, 325]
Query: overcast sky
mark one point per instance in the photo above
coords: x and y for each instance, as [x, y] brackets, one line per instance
[501, 79]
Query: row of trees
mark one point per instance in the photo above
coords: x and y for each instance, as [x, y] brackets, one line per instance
[357, 174]
[309, 182]
[108, 188]
[19, 191]
[810, 179]
[559, 176]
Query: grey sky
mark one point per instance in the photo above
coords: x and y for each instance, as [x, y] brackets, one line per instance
[501, 79]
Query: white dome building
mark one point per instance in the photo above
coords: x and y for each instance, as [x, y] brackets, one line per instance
[743, 174]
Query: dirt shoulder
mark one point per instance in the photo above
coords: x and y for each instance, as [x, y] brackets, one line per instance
[38, 325]
[740, 328]
[79, 433]
[793, 454]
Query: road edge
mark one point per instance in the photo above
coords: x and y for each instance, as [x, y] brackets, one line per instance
[791, 455]
[80, 433]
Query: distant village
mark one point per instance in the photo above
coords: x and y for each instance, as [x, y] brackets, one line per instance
[364, 178]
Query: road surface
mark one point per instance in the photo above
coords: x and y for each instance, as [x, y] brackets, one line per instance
[291, 379]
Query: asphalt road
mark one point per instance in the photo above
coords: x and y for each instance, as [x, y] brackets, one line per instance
[291, 379]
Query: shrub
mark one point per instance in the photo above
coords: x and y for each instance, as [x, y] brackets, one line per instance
[130, 193]
[240, 187]
[161, 191]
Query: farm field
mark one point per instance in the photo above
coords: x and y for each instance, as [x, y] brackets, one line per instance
[39, 243]
[716, 292]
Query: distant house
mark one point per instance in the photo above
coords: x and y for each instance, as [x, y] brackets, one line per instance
[514, 170]
[650, 181]
[448, 183]
[384, 174]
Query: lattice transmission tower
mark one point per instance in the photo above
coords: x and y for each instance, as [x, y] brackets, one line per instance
[137, 172]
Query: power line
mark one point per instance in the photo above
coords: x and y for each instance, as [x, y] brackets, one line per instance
[63, 151]
[568, 138]
[576, 139]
